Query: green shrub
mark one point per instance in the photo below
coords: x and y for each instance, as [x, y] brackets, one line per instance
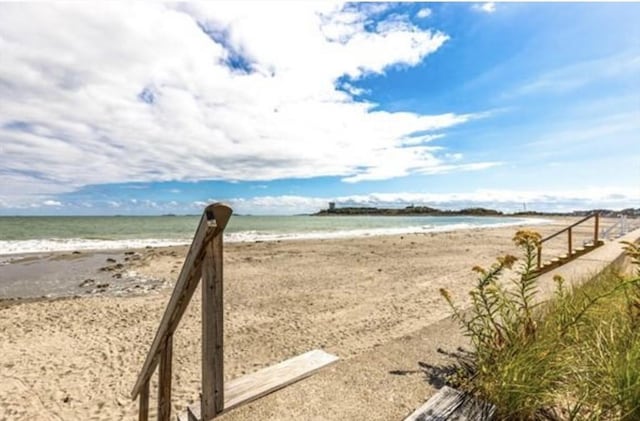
[575, 357]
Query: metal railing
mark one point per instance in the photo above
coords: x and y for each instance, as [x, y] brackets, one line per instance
[622, 223]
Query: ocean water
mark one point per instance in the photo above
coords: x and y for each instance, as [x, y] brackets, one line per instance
[65, 233]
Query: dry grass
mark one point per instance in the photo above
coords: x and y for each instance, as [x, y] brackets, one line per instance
[576, 357]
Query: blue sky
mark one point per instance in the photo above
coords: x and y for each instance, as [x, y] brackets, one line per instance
[280, 107]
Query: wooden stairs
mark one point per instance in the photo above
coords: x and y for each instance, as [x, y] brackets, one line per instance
[555, 262]
[572, 253]
[203, 265]
[256, 385]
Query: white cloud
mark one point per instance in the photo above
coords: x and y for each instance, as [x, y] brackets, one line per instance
[505, 200]
[199, 204]
[423, 13]
[354, 91]
[395, 22]
[572, 77]
[622, 126]
[103, 93]
[51, 203]
[487, 7]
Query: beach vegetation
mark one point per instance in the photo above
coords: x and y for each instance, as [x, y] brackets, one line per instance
[574, 357]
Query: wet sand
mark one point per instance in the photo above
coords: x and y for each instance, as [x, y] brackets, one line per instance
[373, 301]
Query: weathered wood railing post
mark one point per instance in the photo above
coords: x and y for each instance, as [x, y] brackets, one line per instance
[570, 243]
[164, 380]
[596, 228]
[143, 414]
[212, 402]
[204, 261]
[210, 230]
[539, 254]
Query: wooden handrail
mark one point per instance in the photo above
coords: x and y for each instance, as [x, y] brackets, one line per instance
[212, 224]
[569, 227]
[204, 261]
[568, 230]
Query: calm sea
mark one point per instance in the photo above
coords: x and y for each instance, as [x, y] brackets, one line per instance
[37, 234]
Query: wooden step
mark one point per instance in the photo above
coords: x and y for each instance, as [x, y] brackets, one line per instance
[451, 404]
[255, 385]
[564, 258]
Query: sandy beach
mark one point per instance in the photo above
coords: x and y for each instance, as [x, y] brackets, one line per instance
[372, 301]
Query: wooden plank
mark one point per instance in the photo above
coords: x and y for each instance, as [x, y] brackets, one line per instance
[256, 385]
[212, 330]
[450, 404]
[188, 415]
[164, 381]
[143, 411]
[270, 379]
[214, 220]
[191, 416]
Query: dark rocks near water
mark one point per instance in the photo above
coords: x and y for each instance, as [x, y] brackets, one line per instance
[111, 268]
[77, 274]
[87, 282]
[132, 256]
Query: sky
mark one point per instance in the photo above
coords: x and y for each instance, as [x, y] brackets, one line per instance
[280, 107]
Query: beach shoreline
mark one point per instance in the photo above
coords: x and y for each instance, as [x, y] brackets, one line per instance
[73, 273]
[79, 357]
[92, 236]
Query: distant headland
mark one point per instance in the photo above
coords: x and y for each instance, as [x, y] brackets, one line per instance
[477, 211]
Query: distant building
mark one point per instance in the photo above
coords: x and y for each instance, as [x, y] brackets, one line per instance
[332, 206]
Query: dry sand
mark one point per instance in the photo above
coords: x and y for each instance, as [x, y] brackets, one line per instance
[374, 302]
